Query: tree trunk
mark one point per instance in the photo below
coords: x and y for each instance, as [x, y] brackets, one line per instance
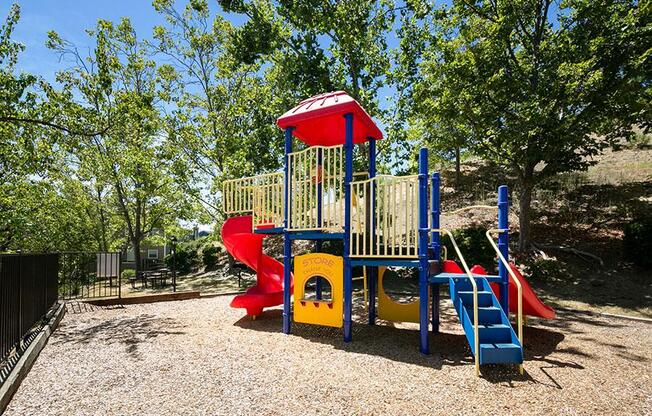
[525, 201]
[458, 173]
[137, 258]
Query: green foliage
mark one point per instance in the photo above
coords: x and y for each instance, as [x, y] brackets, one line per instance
[193, 253]
[42, 207]
[221, 125]
[185, 259]
[210, 255]
[129, 164]
[128, 274]
[138, 135]
[545, 269]
[637, 241]
[534, 97]
[474, 246]
[334, 247]
[76, 270]
[289, 34]
[641, 141]
[194, 245]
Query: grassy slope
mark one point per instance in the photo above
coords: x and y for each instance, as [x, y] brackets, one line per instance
[585, 211]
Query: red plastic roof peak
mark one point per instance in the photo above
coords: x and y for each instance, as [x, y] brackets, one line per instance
[319, 120]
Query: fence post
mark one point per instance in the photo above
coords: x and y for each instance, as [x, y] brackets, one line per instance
[20, 301]
[119, 275]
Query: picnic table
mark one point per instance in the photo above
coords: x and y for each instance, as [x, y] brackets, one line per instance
[155, 277]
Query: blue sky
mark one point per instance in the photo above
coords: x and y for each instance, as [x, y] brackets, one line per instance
[70, 18]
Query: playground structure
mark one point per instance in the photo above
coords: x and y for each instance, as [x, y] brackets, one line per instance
[383, 221]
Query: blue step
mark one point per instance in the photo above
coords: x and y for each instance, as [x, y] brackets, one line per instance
[498, 342]
[484, 297]
[502, 353]
[494, 333]
[443, 277]
[486, 314]
[464, 285]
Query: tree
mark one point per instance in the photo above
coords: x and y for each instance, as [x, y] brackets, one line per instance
[44, 207]
[538, 92]
[220, 118]
[129, 163]
[36, 214]
[21, 104]
[318, 46]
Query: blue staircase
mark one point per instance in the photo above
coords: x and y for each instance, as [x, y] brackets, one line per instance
[499, 343]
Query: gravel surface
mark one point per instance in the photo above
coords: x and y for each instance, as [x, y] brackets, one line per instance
[202, 357]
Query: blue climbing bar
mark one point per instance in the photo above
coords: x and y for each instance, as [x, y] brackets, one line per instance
[435, 244]
[348, 177]
[503, 245]
[287, 242]
[372, 271]
[318, 243]
[424, 232]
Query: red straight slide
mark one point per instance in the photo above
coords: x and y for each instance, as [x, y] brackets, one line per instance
[247, 247]
[532, 305]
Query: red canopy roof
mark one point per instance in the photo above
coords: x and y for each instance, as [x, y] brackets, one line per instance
[319, 120]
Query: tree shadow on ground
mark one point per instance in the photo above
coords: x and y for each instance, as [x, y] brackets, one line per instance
[622, 287]
[75, 307]
[394, 343]
[590, 218]
[130, 331]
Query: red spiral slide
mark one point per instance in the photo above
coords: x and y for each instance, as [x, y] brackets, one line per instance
[247, 247]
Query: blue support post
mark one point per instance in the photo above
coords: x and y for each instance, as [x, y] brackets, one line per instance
[435, 244]
[503, 245]
[318, 280]
[424, 231]
[318, 243]
[348, 177]
[287, 242]
[372, 275]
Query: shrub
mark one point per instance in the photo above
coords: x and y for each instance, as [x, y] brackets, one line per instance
[194, 245]
[641, 141]
[128, 274]
[474, 246]
[637, 241]
[184, 260]
[545, 270]
[209, 255]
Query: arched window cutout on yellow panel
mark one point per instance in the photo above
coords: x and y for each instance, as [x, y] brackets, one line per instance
[310, 289]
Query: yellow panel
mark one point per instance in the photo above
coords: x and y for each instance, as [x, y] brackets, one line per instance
[390, 310]
[327, 313]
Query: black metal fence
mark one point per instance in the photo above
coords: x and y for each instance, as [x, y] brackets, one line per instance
[89, 275]
[28, 289]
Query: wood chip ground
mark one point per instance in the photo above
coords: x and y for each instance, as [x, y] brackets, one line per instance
[200, 357]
